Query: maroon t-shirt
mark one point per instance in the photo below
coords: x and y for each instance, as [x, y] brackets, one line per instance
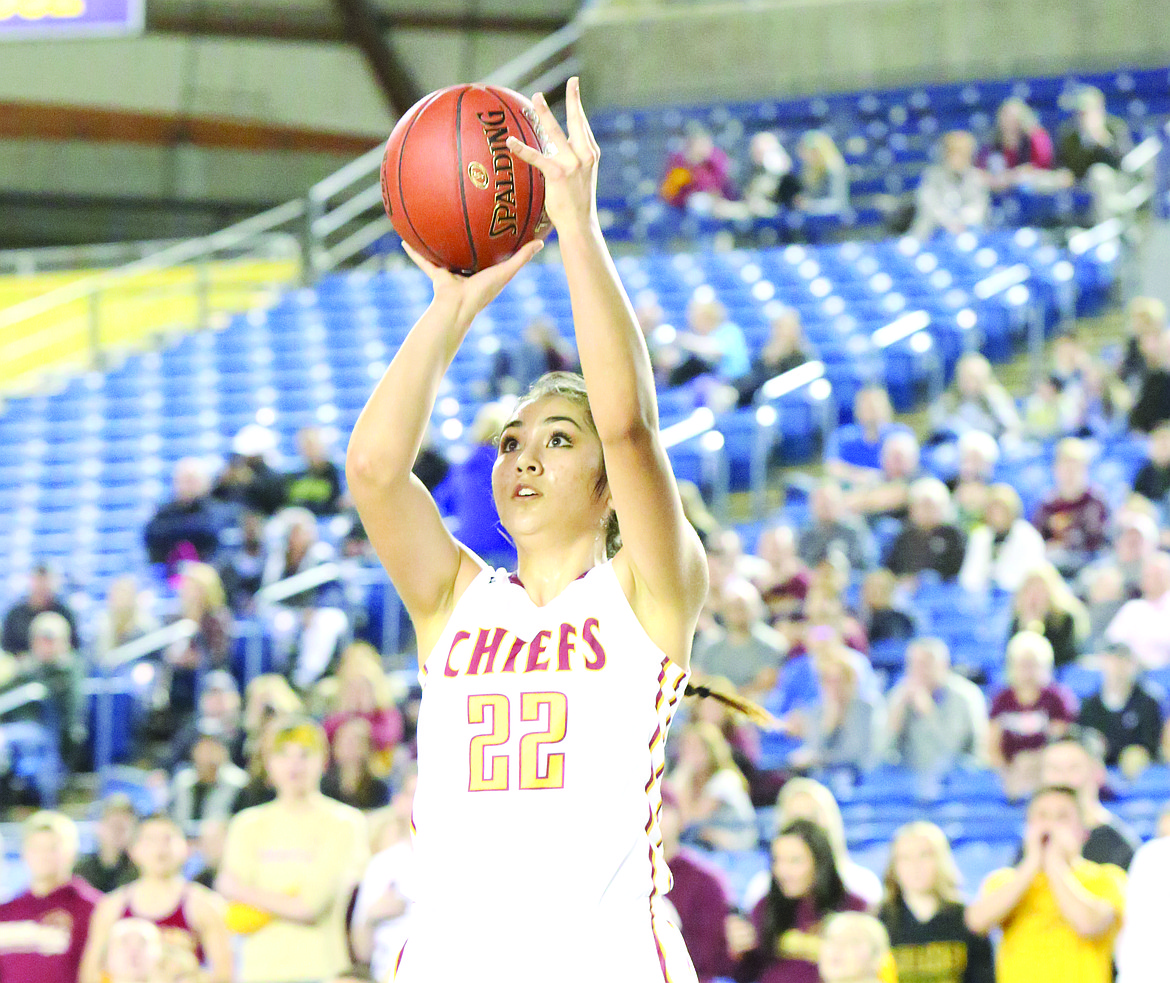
[699, 897]
[1025, 727]
[797, 950]
[41, 939]
[1074, 523]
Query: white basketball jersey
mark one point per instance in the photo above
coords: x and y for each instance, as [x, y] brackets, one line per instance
[541, 741]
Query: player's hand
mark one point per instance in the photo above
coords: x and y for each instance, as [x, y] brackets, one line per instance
[569, 164]
[471, 294]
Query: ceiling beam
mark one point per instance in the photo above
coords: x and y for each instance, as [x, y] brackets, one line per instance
[311, 26]
[390, 72]
[52, 121]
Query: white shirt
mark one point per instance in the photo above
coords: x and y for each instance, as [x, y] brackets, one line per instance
[1142, 952]
[393, 867]
[1145, 627]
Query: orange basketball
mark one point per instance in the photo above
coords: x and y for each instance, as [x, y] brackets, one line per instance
[452, 188]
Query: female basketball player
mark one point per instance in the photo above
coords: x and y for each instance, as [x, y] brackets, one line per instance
[548, 693]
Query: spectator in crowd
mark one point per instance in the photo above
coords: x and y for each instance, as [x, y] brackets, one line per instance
[930, 540]
[1050, 410]
[43, 931]
[1124, 712]
[520, 362]
[711, 344]
[726, 563]
[834, 529]
[824, 178]
[1091, 146]
[887, 495]
[698, 896]
[712, 792]
[306, 627]
[1141, 949]
[207, 787]
[267, 696]
[782, 940]
[772, 186]
[1073, 518]
[804, 798]
[952, 195]
[219, 713]
[260, 788]
[855, 949]
[363, 691]
[430, 466]
[110, 866]
[349, 778]
[742, 737]
[249, 481]
[42, 596]
[698, 168]
[784, 584]
[125, 618]
[203, 601]
[1027, 714]
[189, 526]
[923, 912]
[937, 719]
[1152, 405]
[971, 487]
[886, 618]
[1020, 151]
[317, 486]
[1153, 480]
[785, 350]
[1060, 913]
[1044, 604]
[136, 953]
[977, 401]
[843, 634]
[744, 649]
[52, 663]
[241, 565]
[1142, 623]
[209, 844]
[1116, 575]
[854, 453]
[1146, 324]
[847, 730]
[304, 839]
[381, 914]
[1077, 761]
[190, 915]
[465, 494]
[1002, 548]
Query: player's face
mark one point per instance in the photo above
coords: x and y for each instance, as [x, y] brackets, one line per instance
[915, 865]
[45, 856]
[547, 470]
[793, 866]
[295, 769]
[160, 850]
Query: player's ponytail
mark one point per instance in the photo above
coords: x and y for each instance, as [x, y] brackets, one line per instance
[709, 689]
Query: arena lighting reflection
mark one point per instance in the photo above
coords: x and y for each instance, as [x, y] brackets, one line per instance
[791, 380]
[699, 422]
[900, 329]
[1001, 280]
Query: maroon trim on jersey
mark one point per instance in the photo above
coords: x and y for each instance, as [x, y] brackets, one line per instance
[172, 924]
[514, 578]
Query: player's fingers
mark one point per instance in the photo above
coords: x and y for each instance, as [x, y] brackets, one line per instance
[494, 278]
[548, 166]
[580, 134]
[552, 129]
[429, 268]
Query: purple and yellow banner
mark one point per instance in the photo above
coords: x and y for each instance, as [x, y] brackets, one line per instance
[20, 19]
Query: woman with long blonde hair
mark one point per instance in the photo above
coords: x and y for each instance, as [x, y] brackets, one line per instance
[923, 912]
[1045, 604]
[824, 178]
[712, 792]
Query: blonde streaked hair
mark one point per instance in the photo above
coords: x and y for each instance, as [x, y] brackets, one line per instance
[719, 757]
[947, 879]
[868, 927]
[203, 574]
[829, 812]
[1060, 596]
[57, 823]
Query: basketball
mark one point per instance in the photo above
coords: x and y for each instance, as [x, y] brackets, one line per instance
[452, 188]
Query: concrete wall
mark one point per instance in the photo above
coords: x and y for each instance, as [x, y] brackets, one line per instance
[638, 52]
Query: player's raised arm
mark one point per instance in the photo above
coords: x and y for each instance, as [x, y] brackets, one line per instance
[397, 511]
[661, 560]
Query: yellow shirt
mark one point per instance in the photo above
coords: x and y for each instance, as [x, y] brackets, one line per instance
[316, 854]
[1039, 946]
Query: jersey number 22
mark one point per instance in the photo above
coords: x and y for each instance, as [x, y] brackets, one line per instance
[489, 772]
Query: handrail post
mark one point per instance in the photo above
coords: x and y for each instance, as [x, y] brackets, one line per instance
[103, 753]
[313, 246]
